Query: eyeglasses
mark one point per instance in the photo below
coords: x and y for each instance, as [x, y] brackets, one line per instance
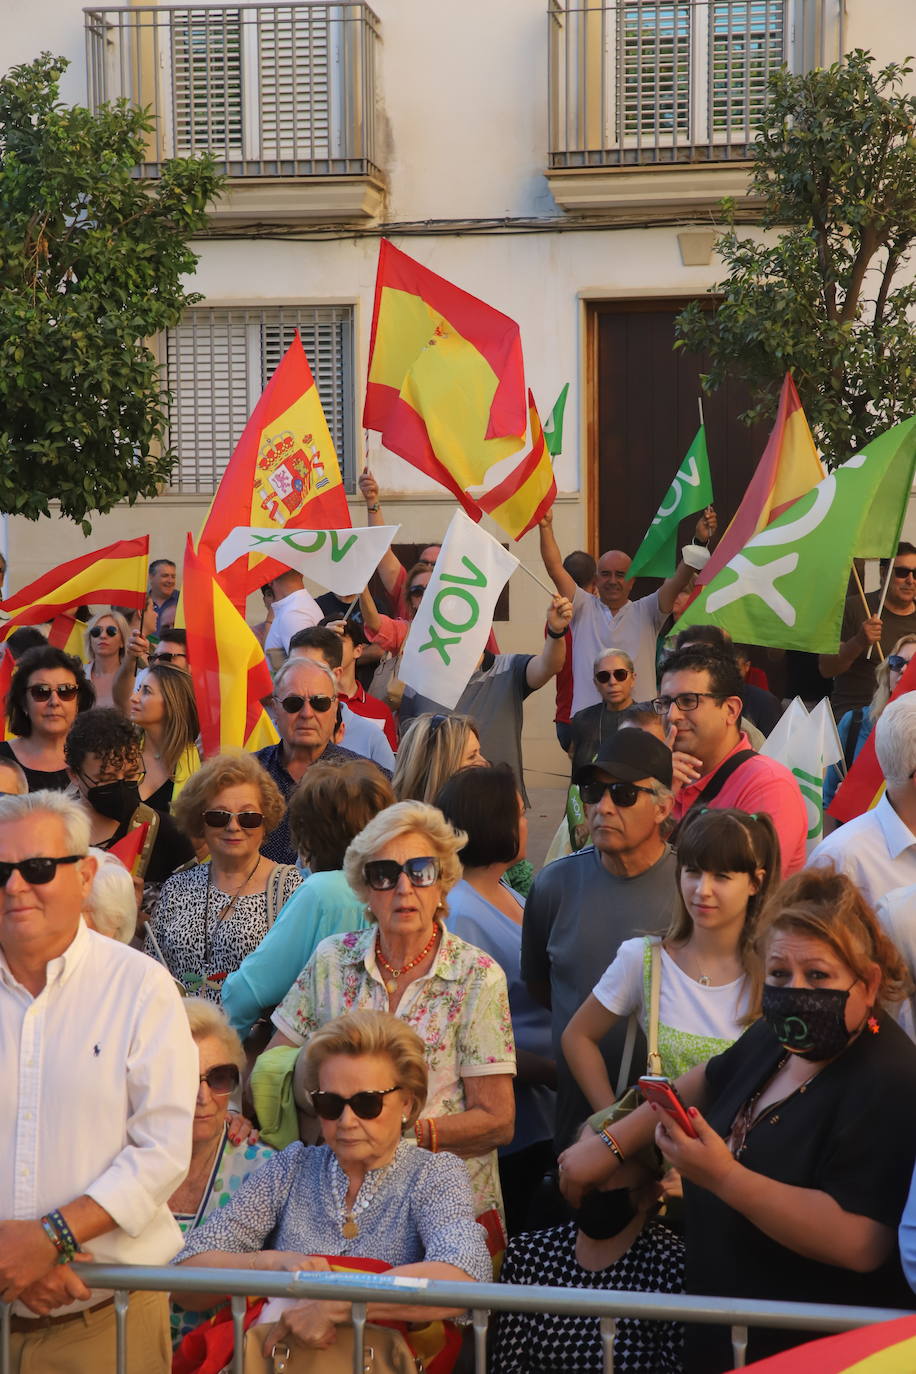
[320, 703]
[618, 674]
[416, 591]
[42, 691]
[222, 1079]
[36, 872]
[623, 794]
[383, 874]
[901, 573]
[109, 630]
[167, 657]
[684, 701]
[367, 1106]
[896, 662]
[218, 820]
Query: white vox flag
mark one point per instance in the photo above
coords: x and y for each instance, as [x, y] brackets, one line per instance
[453, 623]
[341, 560]
[807, 745]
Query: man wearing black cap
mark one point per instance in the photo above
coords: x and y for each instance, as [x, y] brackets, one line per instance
[582, 907]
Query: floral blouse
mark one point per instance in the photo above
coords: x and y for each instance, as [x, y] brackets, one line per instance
[460, 1010]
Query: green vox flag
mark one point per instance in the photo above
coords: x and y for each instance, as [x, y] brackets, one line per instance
[690, 491]
[553, 429]
[787, 586]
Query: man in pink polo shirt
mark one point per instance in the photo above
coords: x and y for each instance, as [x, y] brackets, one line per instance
[700, 701]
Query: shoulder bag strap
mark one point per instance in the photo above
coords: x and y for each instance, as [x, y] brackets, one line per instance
[275, 890]
[654, 1062]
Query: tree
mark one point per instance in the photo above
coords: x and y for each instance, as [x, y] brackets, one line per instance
[835, 165]
[91, 265]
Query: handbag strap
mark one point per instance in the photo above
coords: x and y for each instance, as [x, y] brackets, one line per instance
[626, 1058]
[274, 887]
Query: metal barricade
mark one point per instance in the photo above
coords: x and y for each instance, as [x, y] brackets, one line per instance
[481, 1299]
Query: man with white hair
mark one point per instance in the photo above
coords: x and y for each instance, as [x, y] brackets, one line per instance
[878, 849]
[100, 1075]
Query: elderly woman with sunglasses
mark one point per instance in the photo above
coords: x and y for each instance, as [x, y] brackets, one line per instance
[402, 865]
[218, 1165]
[210, 917]
[47, 691]
[367, 1191]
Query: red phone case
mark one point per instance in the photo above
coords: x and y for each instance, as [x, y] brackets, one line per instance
[662, 1091]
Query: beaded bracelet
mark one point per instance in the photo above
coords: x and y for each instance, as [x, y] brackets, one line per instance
[611, 1143]
[67, 1244]
[418, 1132]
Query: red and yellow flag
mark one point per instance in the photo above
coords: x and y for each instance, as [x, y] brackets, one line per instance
[7, 667]
[228, 666]
[446, 386]
[283, 473]
[113, 576]
[885, 1348]
[788, 468]
[863, 786]
[520, 500]
[68, 633]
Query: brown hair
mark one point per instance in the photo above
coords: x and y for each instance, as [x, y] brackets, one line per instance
[234, 768]
[366, 1032]
[827, 906]
[181, 725]
[331, 805]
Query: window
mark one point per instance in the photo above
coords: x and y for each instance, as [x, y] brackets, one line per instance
[218, 362]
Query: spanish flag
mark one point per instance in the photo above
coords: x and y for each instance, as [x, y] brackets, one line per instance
[789, 467]
[885, 1348]
[446, 386]
[113, 576]
[863, 786]
[7, 668]
[228, 667]
[520, 500]
[283, 473]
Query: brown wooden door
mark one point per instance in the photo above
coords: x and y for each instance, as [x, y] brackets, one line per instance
[645, 415]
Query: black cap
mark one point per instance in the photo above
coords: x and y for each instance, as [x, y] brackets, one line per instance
[630, 754]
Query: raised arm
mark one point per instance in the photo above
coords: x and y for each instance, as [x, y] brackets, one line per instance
[553, 559]
[390, 569]
[684, 574]
[550, 660]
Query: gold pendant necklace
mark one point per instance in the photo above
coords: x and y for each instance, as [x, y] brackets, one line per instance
[349, 1228]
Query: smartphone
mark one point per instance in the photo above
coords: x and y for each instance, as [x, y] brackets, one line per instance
[656, 1088]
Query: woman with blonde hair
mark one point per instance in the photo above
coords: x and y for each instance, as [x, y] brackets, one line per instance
[209, 917]
[855, 726]
[403, 865]
[163, 706]
[106, 640]
[432, 750]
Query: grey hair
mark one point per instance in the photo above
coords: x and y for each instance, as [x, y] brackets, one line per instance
[74, 819]
[895, 740]
[405, 818]
[302, 660]
[206, 1018]
[607, 653]
[111, 906]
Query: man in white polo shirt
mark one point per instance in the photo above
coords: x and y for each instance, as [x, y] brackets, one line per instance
[608, 619]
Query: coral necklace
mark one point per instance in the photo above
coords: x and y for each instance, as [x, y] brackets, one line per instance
[391, 984]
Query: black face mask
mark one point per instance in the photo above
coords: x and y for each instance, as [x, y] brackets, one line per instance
[810, 1022]
[116, 800]
[603, 1215]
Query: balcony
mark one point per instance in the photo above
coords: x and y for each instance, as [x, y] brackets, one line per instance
[283, 96]
[652, 103]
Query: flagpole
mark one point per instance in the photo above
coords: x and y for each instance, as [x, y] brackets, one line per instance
[353, 604]
[855, 573]
[887, 583]
[700, 406]
[551, 591]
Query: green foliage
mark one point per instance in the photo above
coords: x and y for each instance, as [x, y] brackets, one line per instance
[835, 164]
[91, 266]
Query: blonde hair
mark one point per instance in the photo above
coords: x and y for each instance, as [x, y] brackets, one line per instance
[123, 630]
[232, 769]
[405, 818]
[206, 1018]
[363, 1033]
[882, 693]
[430, 752]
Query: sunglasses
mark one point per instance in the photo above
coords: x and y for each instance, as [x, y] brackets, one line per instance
[43, 691]
[166, 657]
[367, 1106]
[618, 674]
[293, 705]
[623, 794]
[222, 1079]
[896, 662]
[109, 630]
[416, 591]
[383, 874]
[36, 872]
[901, 573]
[218, 820]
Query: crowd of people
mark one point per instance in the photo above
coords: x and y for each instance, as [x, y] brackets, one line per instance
[324, 1014]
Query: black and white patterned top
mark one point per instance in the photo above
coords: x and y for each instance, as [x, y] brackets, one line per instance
[419, 1207]
[547, 1343]
[199, 944]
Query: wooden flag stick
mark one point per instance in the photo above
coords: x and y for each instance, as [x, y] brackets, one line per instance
[887, 583]
[855, 573]
[551, 591]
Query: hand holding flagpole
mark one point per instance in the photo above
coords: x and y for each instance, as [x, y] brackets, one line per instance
[887, 583]
[855, 573]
